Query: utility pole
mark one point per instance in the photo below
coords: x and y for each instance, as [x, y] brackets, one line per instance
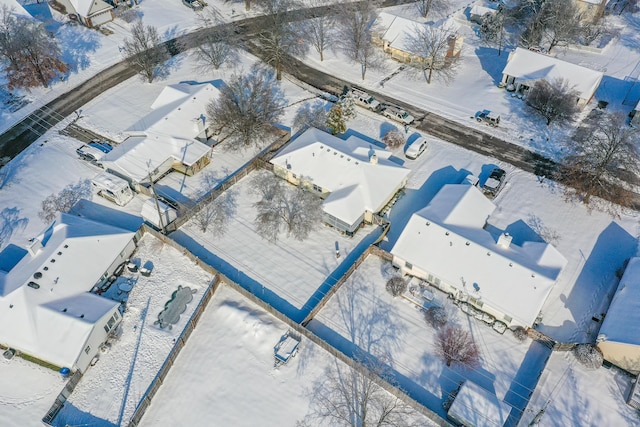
[155, 197]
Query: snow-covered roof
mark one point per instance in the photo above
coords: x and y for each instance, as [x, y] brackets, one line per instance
[47, 309]
[624, 309]
[475, 406]
[138, 155]
[17, 8]
[87, 8]
[447, 239]
[109, 181]
[526, 65]
[397, 30]
[344, 168]
[178, 111]
[480, 10]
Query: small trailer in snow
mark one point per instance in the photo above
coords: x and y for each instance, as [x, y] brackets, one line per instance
[113, 188]
[286, 348]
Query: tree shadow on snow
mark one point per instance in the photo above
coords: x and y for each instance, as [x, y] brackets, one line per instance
[10, 222]
[79, 43]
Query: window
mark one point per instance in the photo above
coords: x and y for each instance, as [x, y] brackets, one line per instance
[111, 321]
[430, 278]
[88, 349]
[507, 319]
[317, 188]
[408, 265]
[106, 328]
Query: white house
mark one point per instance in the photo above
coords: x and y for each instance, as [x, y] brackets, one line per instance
[168, 138]
[355, 178]
[91, 13]
[447, 245]
[474, 406]
[397, 35]
[524, 67]
[48, 310]
[618, 338]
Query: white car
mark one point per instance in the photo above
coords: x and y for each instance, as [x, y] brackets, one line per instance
[397, 114]
[416, 148]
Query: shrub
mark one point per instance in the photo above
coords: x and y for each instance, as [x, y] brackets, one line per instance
[436, 316]
[396, 286]
[589, 355]
[520, 333]
[393, 138]
[456, 346]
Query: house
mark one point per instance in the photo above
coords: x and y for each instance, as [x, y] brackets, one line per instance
[169, 138]
[48, 309]
[396, 35]
[356, 179]
[617, 339]
[590, 10]
[91, 13]
[635, 115]
[475, 406]
[477, 13]
[447, 245]
[524, 67]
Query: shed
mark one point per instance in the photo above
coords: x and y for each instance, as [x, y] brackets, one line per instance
[474, 406]
[159, 216]
[286, 348]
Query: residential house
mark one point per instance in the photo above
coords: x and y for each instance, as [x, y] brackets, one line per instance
[635, 115]
[590, 10]
[396, 35]
[169, 138]
[355, 178]
[48, 309]
[447, 245]
[477, 13]
[618, 338]
[525, 67]
[91, 13]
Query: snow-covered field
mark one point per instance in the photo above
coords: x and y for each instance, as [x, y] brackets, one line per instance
[110, 391]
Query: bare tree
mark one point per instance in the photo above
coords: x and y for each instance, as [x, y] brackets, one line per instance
[32, 56]
[354, 35]
[217, 214]
[560, 21]
[492, 30]
[424, 7]
[319, 30]
[394, 138]
[311, 115]
[281, 209]
[432, 45]
[554, 100]
[143, 50]
[280, 40]
[353, 396]
[64, 200]
[603, 160]
[247, 108]
[589, 355]
[455, 345]
[215, 47]
[396, 286]
[436, 316]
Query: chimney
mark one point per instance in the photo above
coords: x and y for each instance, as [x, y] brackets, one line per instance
[34, 247]
[504, 240]
[373, 158]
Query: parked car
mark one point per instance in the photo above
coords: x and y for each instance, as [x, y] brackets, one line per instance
[103, 146]
[494, 183]
[91, 154]
[488, 117]
[363, 99]
[193, 4]
[416, 148]
[398, 114]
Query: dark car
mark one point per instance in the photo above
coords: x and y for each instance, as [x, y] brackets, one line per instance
[494, 183]
[91, 154]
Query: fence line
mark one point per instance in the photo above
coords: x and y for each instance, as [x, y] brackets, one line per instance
[62, 398]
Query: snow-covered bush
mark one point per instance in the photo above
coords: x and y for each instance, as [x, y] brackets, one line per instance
[436, 316]
[396, 286]
[393, 138]
[589, 355]
[520, 333]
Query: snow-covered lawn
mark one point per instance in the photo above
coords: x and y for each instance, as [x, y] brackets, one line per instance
[573, 395]
[27, 392]
[364, 314]
[109, 392]
[289, 273]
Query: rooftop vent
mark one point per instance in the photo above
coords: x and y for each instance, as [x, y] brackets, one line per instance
[373, 158]
[33, 285]
[37, 275]
[34, 247]
[504, 240]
